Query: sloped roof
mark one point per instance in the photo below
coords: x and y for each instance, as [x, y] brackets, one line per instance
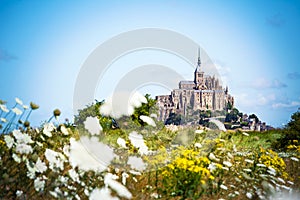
[186, 82]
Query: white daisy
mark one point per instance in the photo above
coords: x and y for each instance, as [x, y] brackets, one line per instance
[121, 190]
[74, 175]
[92, 125]
[249, 161]
[227, 163]
[17, 111]
[148, 120]
[16, 158]
[271, 171]
[223, 187]
[66, 150]
[9, 141]
[124, 177]
[4, 108]
[212, 167]
[23, 148]
[249, 195]
[121, 142]
[55, 159]
[64, 130]
[295, 159]
[260, 165]
[19, 101]
[212, 156]
[31, 170]
[198, 145]
[103, 193]
[39, 184]
[19, 193]
[25, 107]
[48, 128]
[22, 137]
[247, 170]
[138, 142]
[40, 166]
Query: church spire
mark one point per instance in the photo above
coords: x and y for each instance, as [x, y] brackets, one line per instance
[199, 74]
[199, 61]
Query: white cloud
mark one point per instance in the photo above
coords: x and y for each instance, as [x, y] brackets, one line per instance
[248, 100]
[265, 99]
[286, 105]
[263, 83]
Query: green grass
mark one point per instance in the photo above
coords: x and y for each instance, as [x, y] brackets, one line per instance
[253, 141]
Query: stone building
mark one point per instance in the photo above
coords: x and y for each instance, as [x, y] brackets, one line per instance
[204, 93]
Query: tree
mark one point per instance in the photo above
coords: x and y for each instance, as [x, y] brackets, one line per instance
[229, 106]
[145, 109]
[253, 116]
[291, 133]
[107, 122]
[174, 119]
[93, 110]
[205, 114]
[294, 123]
[233, 115]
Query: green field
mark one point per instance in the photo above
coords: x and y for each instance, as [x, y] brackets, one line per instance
[58, 160]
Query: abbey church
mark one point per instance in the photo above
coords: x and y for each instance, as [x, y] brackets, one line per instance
[204, 93]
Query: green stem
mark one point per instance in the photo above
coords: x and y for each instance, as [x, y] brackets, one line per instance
[50, 118]
[28, 115]
[10, 111]
[17, 125]
[7, 127]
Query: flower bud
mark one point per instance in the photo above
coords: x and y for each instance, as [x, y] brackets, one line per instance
[34, 106]
[26, 124]
[56, 113]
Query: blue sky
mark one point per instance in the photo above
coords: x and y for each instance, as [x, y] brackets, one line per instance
[254, 44]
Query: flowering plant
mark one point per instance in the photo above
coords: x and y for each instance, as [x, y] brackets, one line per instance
[52, 161]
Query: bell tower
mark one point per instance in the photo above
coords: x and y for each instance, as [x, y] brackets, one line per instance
[199, 74]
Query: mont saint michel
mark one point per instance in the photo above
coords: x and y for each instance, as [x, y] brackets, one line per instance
[203, 93]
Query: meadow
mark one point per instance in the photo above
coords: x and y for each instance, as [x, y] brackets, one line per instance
[138, 157]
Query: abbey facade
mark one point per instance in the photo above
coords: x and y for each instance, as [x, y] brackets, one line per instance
[204, 93]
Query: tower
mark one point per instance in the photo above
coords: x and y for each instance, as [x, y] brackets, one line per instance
[199, 74]
[199, 61]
